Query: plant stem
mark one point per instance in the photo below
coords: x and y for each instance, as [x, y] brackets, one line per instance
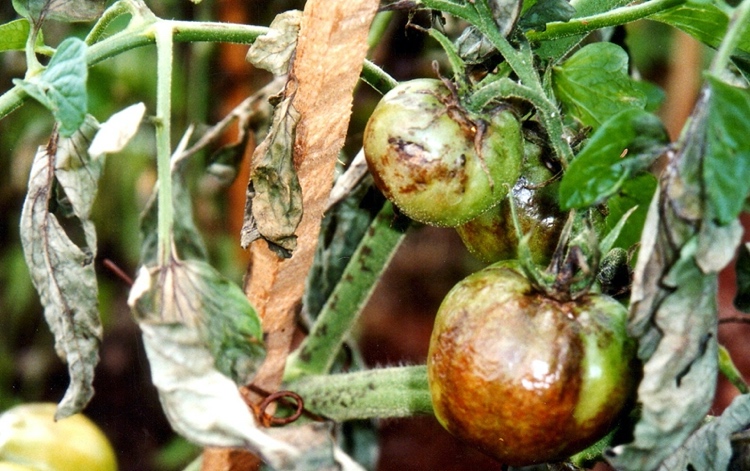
[737, 24]
[164, 57]
[587, 24]
[376, 77]
[318, 351]
[379, 393]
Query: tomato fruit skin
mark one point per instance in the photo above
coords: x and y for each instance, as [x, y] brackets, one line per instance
[491, 236]
[523, 377]
[29, 436]
[436, 163]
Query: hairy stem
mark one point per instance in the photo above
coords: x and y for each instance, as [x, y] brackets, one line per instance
[737, 25]
[318, 351]
[387, 392]
[587, 24]
[164, 59]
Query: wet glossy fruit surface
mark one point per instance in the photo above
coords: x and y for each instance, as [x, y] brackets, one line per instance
[491, 236]
[523, 377]
[436, 163]
[30, 437]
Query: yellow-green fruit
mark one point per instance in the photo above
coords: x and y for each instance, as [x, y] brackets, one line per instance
[29, 436]
[437, 163]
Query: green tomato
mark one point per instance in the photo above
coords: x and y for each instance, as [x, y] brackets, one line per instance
[434, 161]
[523, 377]
[30, 437]
[491, 236]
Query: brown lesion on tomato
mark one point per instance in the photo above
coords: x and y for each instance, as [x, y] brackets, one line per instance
[425, 168]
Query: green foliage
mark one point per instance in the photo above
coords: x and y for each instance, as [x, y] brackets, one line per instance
[594, 84]
[61, 87]
[13, 35]
[624, 145]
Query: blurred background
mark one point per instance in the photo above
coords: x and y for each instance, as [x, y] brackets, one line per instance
[209, 81]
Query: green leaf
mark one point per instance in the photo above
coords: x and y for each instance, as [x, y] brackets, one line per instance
[593, 84]
[59, 243]
[13, 35]
[61, 87]
[727, 158]
[710, 446]
[637, 191]
[742, 268]
[546, 11]
[622, 146]
[705, 21]
[69, 11]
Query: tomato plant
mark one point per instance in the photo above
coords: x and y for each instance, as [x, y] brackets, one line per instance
[532, 134]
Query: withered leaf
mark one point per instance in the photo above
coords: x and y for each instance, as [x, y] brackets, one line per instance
[274, 196]
[274, 50]
[59, 243]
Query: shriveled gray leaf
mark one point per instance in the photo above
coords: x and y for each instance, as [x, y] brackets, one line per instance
[710, 446]
[202, 404]
[61, 87]
[673, 311]
[60, 250]
[318, 451]
[115, 133]
[69, 11]
[274, 50]
[274, 196]
[474, 47]
[717, 245]
[505, 13]
[193, 293]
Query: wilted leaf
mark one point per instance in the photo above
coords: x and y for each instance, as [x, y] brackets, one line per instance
[505, 13]
[727, 160]
[192, 293]
[273, 51]
[474, 47]
[61, 87]
[202, 404]
[274, 202]
[13, 35]
[60, 251]
[593, 84]
[710, 446]
[69, 11]
[624, 145]
[546, 11]
[117, 131]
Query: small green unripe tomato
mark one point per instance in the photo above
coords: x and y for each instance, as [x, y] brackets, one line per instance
[523, 377]
[436, 163]
[491, 236]
[30, 438]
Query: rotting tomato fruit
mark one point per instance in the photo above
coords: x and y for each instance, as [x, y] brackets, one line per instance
[29, 436]
[491, 236]
[438, 164]
[524, 377]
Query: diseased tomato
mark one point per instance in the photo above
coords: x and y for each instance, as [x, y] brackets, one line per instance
[438, 164]
[524, 377]
[30, 437]
[491, 236]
